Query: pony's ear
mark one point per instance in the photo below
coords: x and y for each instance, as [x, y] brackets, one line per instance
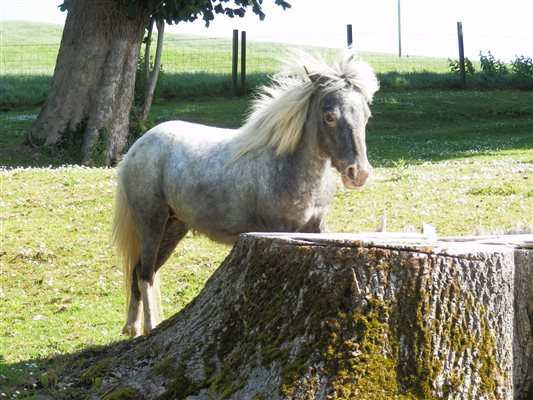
[315, 78]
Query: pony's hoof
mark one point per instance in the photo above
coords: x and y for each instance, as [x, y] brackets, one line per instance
[131, 331]
[147, 329]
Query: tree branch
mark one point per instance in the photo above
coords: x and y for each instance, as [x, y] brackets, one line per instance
[151, 79]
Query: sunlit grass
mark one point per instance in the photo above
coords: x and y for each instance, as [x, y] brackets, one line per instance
[456, 197]
[61, 283]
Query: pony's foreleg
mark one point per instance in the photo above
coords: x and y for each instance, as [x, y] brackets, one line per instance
[136, 309]
[149, 305]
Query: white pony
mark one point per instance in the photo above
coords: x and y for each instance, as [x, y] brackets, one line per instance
[273, 174]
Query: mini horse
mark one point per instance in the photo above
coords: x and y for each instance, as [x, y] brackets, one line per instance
[273, 174]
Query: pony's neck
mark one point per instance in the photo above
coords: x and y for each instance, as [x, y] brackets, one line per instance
[308, 155]
[309, 146]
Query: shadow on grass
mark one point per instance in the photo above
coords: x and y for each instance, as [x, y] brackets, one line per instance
[30, 90]
[23, 90]
[45, 378]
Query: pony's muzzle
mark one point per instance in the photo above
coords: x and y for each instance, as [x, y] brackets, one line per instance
[354, 176]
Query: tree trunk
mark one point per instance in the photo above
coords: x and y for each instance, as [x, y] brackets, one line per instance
[89, 102]
[337, 317]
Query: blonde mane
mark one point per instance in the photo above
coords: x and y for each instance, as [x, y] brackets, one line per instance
[279, 111]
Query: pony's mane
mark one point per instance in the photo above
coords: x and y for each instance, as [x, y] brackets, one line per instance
[279, 111]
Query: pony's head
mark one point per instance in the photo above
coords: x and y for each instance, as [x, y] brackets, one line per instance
[339, 112]
[329, 101]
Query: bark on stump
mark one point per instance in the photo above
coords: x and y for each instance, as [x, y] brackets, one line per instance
[293, 316]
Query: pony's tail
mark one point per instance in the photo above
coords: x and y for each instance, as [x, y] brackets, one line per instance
[125, 239]
[128, 245]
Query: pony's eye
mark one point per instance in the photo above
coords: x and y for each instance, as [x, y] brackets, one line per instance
[330, 118]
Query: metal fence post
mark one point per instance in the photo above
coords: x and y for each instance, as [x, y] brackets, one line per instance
[461, 54]
[349, 35]
[399, 31]
[243, 63]
[235, 62]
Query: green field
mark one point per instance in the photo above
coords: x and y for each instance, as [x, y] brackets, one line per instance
[460, 160]
[25, 52]
[195, 66]
[191, 65]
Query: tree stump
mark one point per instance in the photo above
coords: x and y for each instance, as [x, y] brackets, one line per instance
[301, 316]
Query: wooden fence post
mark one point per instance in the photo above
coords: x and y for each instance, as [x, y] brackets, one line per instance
[235, 62]
[461, 54]
[243, 63]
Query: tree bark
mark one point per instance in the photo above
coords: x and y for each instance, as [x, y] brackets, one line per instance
[337, 317]
[523, 335]
[89, 102]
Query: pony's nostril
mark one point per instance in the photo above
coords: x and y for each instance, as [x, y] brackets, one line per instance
[351, 172]
[355, 177]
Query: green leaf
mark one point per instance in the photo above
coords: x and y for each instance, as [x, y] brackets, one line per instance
[283, 4]
[65, 6]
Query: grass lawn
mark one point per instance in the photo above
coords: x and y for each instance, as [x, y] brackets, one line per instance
[458, 160]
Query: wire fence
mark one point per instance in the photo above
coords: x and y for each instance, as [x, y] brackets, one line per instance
[193, 54]
[196, 54]
[373, 48]
[28, 59]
